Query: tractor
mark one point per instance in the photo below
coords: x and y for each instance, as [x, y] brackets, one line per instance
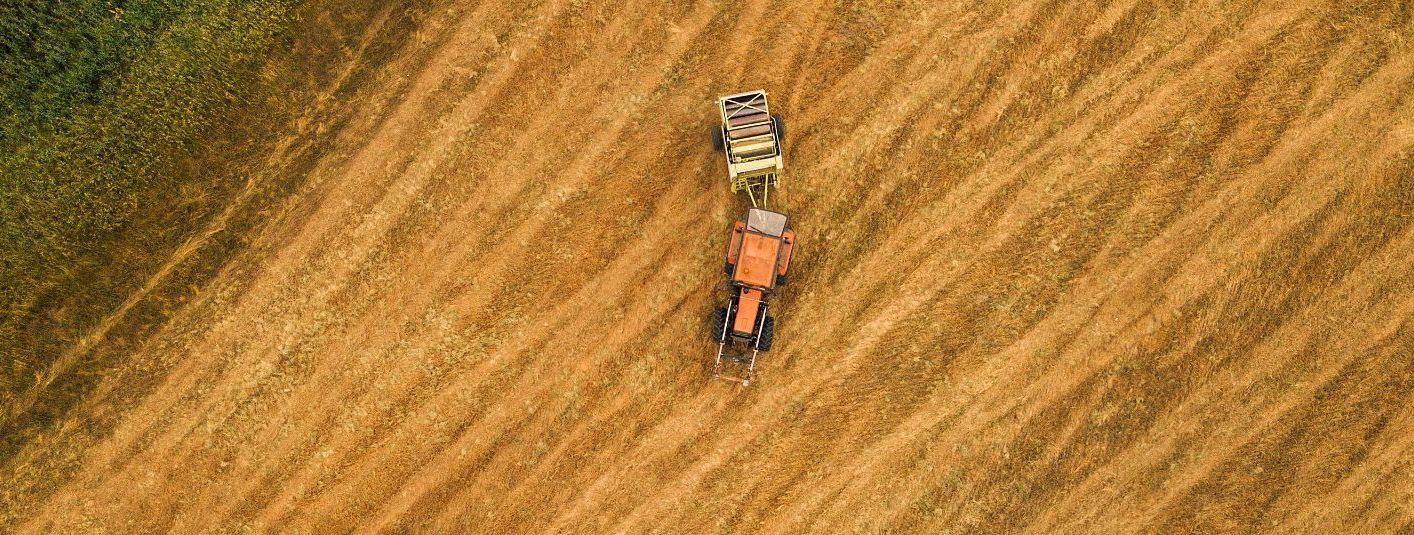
[758, 256]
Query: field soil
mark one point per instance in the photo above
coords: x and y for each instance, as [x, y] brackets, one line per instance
[1061, 267]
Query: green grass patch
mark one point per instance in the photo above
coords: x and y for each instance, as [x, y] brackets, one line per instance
[102, 181]
[102, 100]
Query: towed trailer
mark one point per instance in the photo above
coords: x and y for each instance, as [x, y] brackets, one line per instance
[749, 136]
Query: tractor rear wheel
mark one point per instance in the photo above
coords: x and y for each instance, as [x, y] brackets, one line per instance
[717, 143]
[768, 334]
[719, 325]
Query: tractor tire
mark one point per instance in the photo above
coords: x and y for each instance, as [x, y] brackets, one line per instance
[768, 334]
[728, 268]
[717, 142]
[780, 128]
[719, 325]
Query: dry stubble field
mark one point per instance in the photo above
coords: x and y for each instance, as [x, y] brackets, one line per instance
[1063, 267]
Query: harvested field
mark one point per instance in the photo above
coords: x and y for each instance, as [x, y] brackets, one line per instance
[1061, 267]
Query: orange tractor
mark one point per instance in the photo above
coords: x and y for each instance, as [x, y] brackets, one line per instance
[758, 256]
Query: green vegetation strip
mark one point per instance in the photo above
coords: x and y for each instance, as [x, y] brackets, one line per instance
[101, 102]
[216, 114]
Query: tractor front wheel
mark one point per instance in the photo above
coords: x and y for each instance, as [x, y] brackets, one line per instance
[768, 334]
[719, 325]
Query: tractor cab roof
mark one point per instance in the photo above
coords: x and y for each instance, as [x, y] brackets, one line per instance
[766, 222]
